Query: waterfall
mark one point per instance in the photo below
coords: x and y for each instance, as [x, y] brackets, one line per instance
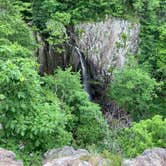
[84, 71]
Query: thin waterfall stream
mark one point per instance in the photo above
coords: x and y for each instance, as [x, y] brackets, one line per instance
[84, 71]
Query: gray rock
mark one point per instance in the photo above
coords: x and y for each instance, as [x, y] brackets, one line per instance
[106, 44]
[68, 156]
[64, 152]
[104, 162]
[8, 158]
[1, 126]
[150, 157]
[46, 56]
[67, 161]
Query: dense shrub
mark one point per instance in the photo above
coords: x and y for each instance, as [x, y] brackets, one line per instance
[9, 50]
[88, 126]
[16, 39]
[79, 10]
[13, 28]
[145, 134]
[29, 113]
[133, 89]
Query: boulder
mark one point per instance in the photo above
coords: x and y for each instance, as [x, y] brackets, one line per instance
[150, 157]
[8, 158]
[67, 161]
[68, 156]
[64, 152]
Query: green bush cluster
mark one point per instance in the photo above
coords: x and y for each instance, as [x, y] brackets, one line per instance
[143, 135]
[40, 117]
[87, 125]
[134, 90]
[27, 112]
[136, 87]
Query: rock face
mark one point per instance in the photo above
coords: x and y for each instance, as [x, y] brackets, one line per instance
[106, 44]
[68, 156]
[47, 57]
[150, 157]
[8, 158]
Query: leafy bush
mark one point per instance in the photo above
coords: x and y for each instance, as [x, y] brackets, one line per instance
[9, 50]
[28, 112]
[145, 134]
[133, 89]
[28, 157]
[55, 26]
[13, 28]
[78, 9]
[115, 158]
[87, 125]
[16, 39]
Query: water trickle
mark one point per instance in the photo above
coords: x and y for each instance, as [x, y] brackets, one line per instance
[84, 71]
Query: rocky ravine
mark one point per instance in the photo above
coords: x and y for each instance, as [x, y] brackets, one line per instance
[102, 45]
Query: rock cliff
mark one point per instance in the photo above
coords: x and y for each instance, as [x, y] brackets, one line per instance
[106, 44]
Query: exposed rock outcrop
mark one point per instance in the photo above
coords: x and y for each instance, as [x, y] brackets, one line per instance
[8, 158]
[150, 157]
[106, 44]
[48, 57]
[68, 156]
[103, 45]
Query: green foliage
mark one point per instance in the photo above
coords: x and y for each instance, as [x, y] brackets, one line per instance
[115, 159]
[145, 134]
[29, 158]
[141, 6]
[133, 89]
[88, 125]
[53, 16]
[9, 50]
[152, 46]
[14, 29]
[56, 28]
[78, 9]
[25, 8]
[16, 39]
[31, 114]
